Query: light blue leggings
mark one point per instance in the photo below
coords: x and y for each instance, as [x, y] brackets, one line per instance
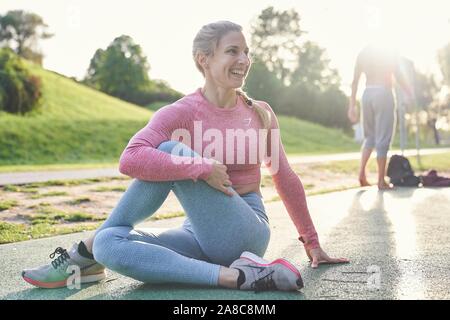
[217, 230]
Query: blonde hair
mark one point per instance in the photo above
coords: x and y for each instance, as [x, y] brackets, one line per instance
[206, 42]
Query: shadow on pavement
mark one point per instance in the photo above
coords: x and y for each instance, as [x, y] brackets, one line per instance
[44, 294]
[397, 242]
[144, 291]
[364, 236]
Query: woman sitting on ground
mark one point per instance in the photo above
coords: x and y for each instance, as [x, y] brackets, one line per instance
[227, 230]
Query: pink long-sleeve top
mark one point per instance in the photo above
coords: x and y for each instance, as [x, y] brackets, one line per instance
[217, 133]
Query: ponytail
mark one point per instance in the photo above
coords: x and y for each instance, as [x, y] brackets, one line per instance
[263, 114]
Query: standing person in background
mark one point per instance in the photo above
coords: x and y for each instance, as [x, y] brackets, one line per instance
[380, 67]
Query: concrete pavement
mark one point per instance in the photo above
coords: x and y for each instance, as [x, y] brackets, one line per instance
[41, 176]
[398, 242]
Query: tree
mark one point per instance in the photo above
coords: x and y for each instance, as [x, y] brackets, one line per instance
[313, 68]
[425, 89]
[444, 62]
[262, 84]
[121, 70]
[293, 74]
[21, 31]
[326, 107]
[93, 73]
[275, 41]
[20, 92]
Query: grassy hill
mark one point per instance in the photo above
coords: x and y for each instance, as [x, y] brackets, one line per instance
[77, 124]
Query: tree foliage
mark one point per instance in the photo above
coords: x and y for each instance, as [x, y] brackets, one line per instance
[20, 92]
[274, 41]
[292, 74]
[20, 31]
[444, 63]
[425, 89]
[313, 68]
[263, 84]
[122, 71]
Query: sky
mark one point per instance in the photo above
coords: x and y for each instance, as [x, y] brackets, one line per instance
[165, 30]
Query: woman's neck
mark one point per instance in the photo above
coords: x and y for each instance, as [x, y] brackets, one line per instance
[223, 98]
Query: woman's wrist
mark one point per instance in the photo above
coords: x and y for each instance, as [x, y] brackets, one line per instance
[207, 167]
[310, 242]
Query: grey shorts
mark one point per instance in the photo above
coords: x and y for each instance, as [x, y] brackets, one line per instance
[378, 112]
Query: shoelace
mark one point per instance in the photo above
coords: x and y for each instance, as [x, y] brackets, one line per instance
[264, 283]
[63, 257]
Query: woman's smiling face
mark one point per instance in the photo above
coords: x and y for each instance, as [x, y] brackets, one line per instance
[229, 65]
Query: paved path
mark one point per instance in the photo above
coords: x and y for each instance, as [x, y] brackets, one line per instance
[398, 242]
[30, 177]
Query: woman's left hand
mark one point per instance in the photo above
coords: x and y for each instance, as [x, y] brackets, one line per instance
[318, 256]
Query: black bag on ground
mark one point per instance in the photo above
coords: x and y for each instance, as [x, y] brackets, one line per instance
[433, 180]
[401, 173]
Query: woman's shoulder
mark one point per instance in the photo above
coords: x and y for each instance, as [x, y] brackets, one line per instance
[180, 108]
[265, 105]
[262, 103]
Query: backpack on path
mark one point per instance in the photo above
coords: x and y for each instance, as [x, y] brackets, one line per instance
[401, 173]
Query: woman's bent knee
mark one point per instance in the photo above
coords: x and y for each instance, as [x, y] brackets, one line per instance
[105, 243]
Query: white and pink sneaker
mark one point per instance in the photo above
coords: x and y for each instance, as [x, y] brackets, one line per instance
[262, 275]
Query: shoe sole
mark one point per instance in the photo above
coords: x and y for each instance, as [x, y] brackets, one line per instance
[60, 284]
[262, 262]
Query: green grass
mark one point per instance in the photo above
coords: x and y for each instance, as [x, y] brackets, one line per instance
[169, 215]
[33, 187]
[109, 189]
[154, 106]
[78, 201]
[11, 232]
[49, 194]
[7, 204]
[80, 127]
[24, 188]
[57, 167]
[303, 137]
[49, 224]
[75, 124]
[439, 162]
[50, 215]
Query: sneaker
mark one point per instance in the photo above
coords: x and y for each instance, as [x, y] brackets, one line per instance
[55, 275]
[262, 275]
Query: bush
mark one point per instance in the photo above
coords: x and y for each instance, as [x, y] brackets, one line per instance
[20, 92]
[155, 90]
[327, 108]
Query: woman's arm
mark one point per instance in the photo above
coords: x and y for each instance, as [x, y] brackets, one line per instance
[142, 160]
[352, 113]
[289, 187]
[292, 194]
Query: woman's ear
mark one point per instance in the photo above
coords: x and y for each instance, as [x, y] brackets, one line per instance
[202, 60]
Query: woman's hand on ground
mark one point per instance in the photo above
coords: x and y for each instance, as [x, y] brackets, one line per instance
[219, 179]
[318, 256]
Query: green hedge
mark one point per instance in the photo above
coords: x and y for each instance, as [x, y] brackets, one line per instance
[20, 92]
